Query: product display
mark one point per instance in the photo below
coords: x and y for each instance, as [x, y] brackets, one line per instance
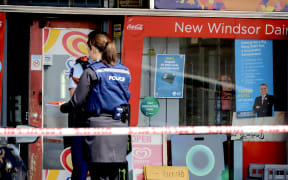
[202, 154]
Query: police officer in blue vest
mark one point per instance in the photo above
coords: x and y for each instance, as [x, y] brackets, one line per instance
[80, 167]
[103, 93]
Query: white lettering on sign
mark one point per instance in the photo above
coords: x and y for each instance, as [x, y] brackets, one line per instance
[188, 28]
[116, 78]
[141, 139]
[270, 29]
[221, 28]
[137, 27]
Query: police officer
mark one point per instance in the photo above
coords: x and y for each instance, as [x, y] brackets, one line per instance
[80, 167]
[103, 91]
[76, 71]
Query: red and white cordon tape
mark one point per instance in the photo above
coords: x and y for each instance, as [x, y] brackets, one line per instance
[142, 130]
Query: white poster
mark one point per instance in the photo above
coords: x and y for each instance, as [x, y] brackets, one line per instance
[36, 62]
[146, 151]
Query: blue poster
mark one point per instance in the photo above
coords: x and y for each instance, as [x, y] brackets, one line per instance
[254, 78]
[169, 76]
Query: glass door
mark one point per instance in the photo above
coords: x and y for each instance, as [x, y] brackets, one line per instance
[61, 47]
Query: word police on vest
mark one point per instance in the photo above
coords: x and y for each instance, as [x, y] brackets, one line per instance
[116, 78]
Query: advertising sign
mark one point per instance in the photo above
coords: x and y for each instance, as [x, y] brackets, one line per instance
[146, 151]
[66, 41]
[36, 62]
[254, 78]
[66, 162]
[166, 173]
[56, 174]
[136, 28]
[2, 36]
[169, 76]
[117, 30]
[150, 106]
[202, 154]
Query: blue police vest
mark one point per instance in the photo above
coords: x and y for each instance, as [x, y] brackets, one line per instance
[111, 89]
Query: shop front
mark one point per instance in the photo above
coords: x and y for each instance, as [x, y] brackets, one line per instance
[47, 48]
[186, 71]
[208, 71]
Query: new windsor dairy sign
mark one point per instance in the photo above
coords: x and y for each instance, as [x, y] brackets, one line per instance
[222, 28]
[211, 27]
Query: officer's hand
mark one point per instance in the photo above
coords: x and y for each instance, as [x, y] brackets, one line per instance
[60, 103]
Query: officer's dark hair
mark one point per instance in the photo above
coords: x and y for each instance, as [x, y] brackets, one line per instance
[97, 39]
[102, 42]
[110, 53]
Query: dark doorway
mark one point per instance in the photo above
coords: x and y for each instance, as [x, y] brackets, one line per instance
[18, 35]
[18, 28]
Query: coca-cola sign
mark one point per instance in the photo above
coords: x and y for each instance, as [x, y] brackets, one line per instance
[135, 27]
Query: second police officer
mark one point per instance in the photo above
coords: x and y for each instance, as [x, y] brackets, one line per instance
[104, 94]
[80, 167]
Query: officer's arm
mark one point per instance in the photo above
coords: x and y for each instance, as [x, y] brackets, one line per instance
[83, 89]
[76, 80]
[77, 71]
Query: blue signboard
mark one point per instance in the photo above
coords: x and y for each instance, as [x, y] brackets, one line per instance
[169, 76]
[254, 78]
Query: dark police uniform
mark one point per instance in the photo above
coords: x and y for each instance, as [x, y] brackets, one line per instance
[75, 119]
[103, 90]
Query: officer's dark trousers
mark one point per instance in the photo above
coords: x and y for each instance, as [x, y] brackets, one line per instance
[108, 171]
[80, 167]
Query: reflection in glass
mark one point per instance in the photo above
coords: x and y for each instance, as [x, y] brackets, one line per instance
[209, 81]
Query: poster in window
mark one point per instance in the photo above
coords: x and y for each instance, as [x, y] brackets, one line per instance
[169, 76]
[254, 78]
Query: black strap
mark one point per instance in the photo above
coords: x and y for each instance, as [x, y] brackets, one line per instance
[124, 117]
[95, 114]
[82, 63]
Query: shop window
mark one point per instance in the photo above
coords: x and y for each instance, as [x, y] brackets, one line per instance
[208, 88]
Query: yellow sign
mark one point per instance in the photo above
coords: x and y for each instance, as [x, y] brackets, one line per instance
[166, 173]
[117, 30]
